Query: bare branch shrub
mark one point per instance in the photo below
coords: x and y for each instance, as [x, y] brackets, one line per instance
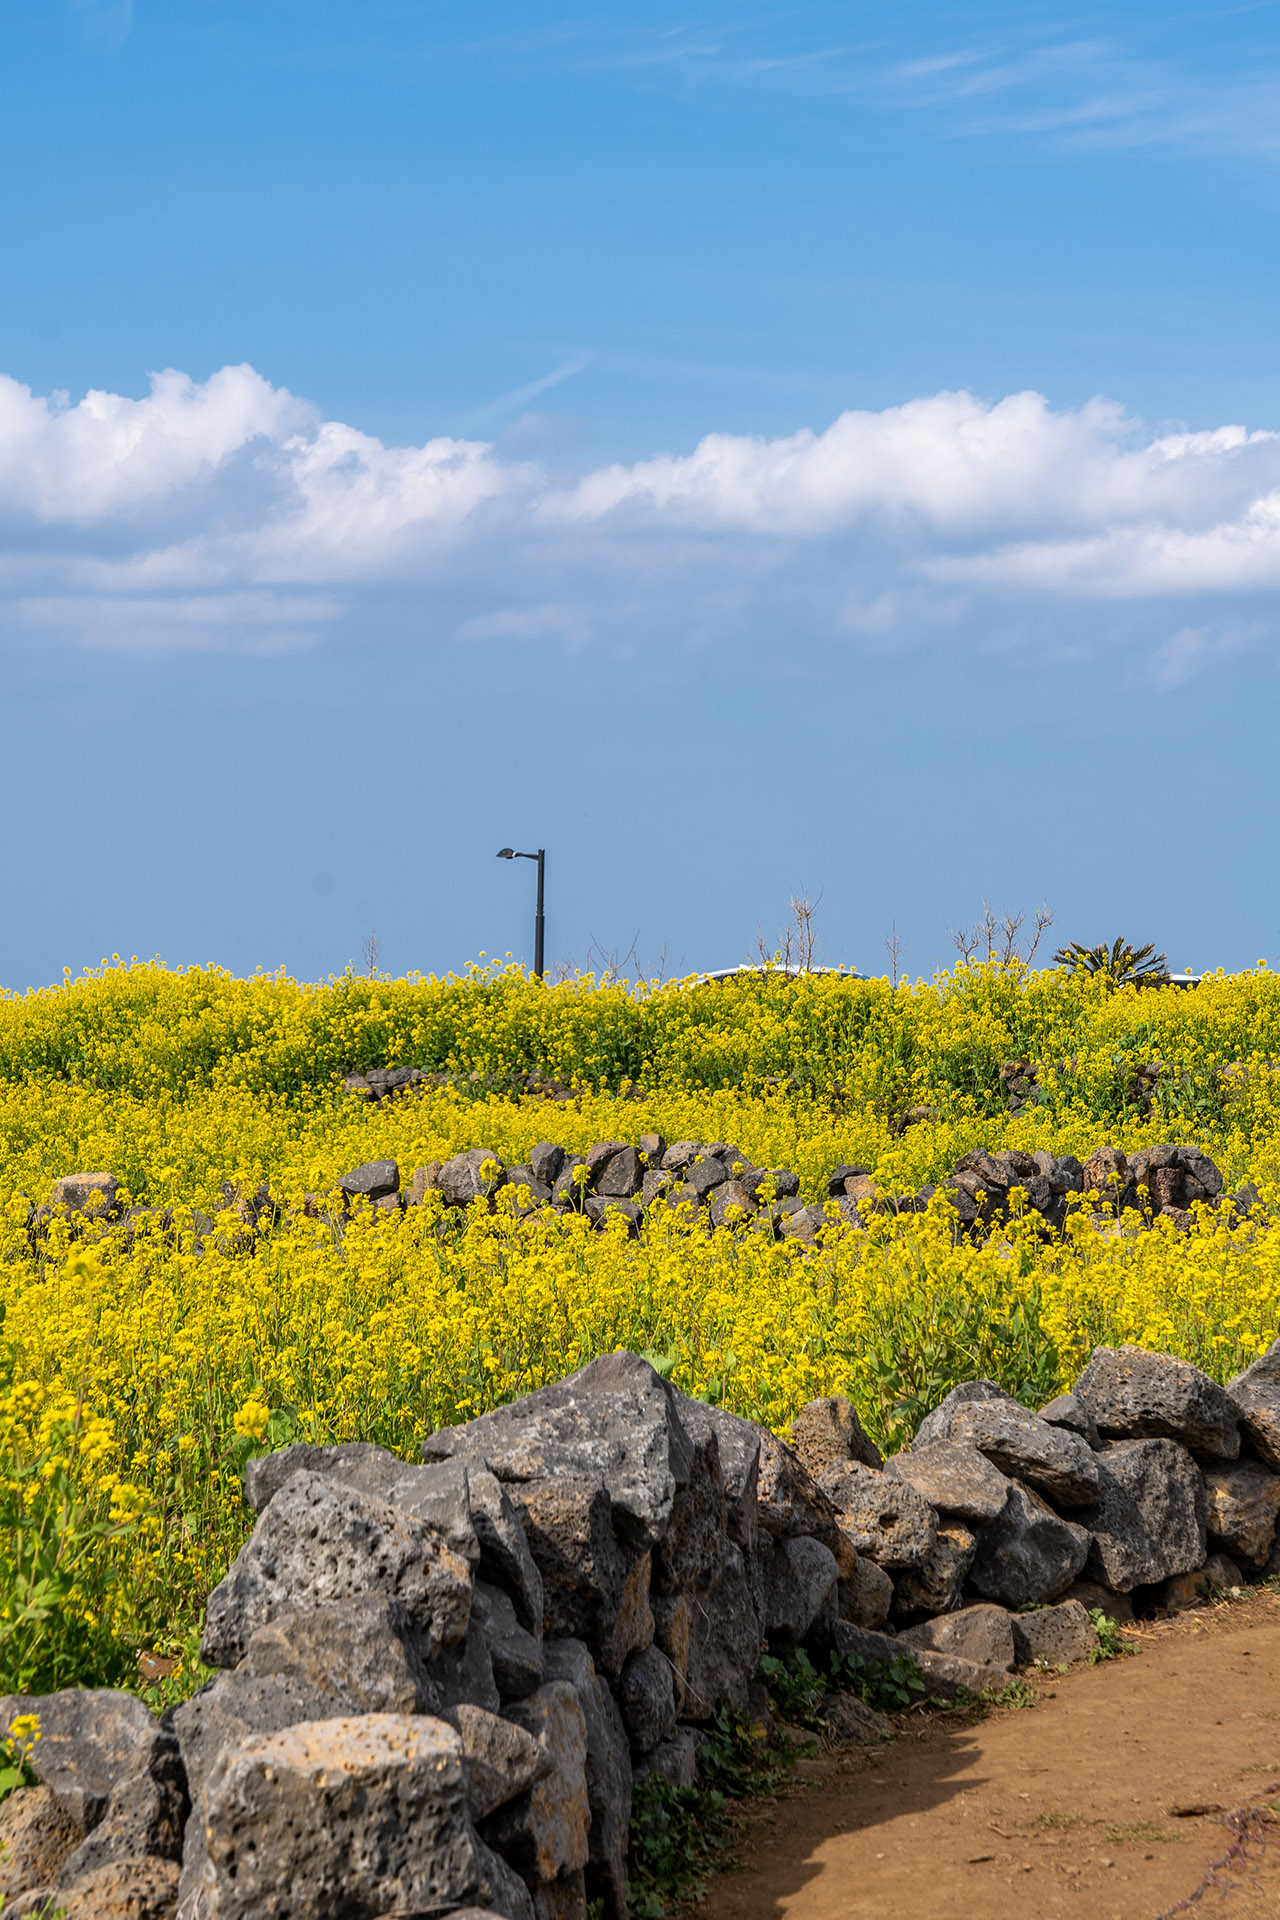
[798, 940]
[998, 936]
[894, 946]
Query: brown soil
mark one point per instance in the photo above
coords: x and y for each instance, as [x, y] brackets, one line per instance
[1064, 1808]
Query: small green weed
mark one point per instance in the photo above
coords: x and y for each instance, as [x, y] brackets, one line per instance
[675, 1831]
[1111, 1643]
[888, 1686]
[1012, 1697]
[1147, 1830]
[798, 1689]
[1058, 1822]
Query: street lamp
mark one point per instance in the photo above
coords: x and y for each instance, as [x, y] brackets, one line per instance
[539, 925]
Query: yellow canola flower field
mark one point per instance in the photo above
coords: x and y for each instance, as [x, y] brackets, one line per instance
[139, 1370]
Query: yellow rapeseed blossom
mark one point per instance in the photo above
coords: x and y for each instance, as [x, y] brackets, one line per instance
[143, 1363]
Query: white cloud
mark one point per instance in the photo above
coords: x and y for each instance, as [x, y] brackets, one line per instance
[229, 508]
[950, 463]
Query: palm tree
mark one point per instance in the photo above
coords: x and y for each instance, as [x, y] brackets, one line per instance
[1119, 964]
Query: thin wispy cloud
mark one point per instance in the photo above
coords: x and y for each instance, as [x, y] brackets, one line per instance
[230, 512]
[1040, 75]
[506, 403]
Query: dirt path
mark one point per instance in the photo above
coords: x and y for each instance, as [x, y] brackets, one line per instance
[1063, 1808]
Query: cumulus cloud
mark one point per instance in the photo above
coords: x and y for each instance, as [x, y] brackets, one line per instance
[229, 507]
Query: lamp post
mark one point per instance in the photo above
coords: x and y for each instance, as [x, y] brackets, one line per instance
[539, 925]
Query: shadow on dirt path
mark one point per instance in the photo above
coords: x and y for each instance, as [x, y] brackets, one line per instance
[1078, 1806]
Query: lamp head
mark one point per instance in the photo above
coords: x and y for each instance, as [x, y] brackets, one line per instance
[506, 853]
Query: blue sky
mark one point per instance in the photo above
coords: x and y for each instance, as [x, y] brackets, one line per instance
[741, 449]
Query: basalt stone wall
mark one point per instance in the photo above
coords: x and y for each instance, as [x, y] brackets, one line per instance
[711, 1182]
[438, 1683]
[718, 1183]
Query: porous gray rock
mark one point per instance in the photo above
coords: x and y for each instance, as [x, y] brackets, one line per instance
[505, 1559]
[499, 1889]
[319, 1539]
[981, 1633]
[1241, 1504]
[1255, 1395]
[655, 1184]
[732, 1205]
[953, 1477]
[514, 1654]
[738, 1444]
[1093, 1596]
[85, 1192]
[523, 1177]
[372, 1181]
[1053, 1636]
[364, 1650]
[672, 1630]
[1149, 1523]
[1069, 1412]
[138, 1889]
[93, 1742]
[463, 1671]
[221, 1716]
[546, 1161]
[805, 1224]
[501, 1758]
[1106, 1173]
[544, 1832]
[936, 1587]
[38, 1834]
[1056, 1462]
[1203, 1180]
[593, 1587]
[1133, 1394]
[424, 1181]
[1028, 1553]
[691, 1552]
[1217, 1576]
[800, 1580]
[615, 1169]
[886, 1520]
[342, 1819]
[144, 1817]
[609, 1776]
[614, 1422]
[460, 1498]
[679, 1155]
[357, 1464]
[706, 1173]
[724, 1643]
[790, 1501]
[463, 1179]
[674, 1761]
[602, 1210]
[620, 1176]
[937, 1424]
[827, 1431]
[564, 1898]
[570, 1190]
[647, 1698]
[865, 1595]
